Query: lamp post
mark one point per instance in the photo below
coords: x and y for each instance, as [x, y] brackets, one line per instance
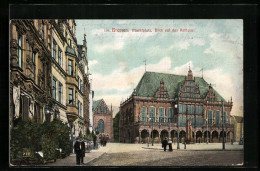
[207, 131]
[178, 145]
[148, 133]
[152, 132]
[223, 141]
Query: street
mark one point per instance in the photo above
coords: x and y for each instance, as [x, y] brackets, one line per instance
[118, 154]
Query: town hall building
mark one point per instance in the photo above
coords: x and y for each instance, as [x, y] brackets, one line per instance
[161, 104]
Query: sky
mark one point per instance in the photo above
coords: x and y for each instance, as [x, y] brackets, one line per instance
[116, 59]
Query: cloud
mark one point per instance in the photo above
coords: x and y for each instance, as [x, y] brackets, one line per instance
[109, 46]
[124, 81]
[92, 63]
[226, 43]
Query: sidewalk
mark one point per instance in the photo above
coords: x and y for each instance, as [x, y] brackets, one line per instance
[71, 160]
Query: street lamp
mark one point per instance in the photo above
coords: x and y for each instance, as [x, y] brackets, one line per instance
[207, 131]
[223, 141]
[152, 132]
[178, 145]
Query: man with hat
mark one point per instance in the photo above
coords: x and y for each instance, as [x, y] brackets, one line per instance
[77, 150]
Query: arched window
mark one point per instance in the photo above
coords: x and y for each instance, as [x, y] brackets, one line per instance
[100, 127]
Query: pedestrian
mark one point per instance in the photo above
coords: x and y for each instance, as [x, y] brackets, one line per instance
[170, 144]
[82, 145]
[231, 141]
[77, 150]
[164, 143]
[105, 143]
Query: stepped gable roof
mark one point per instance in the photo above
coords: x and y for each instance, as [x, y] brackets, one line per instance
[150, 82]
[95, 104]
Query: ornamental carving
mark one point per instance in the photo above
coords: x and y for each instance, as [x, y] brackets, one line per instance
[13, 52]
[29, 38]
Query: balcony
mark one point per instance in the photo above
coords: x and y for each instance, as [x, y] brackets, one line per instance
[157, 124]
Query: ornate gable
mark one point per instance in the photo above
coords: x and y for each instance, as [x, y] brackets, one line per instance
[162, 92]
[210, 95]
[189, 89]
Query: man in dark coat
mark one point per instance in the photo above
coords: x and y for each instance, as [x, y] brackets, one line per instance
[77, 151]
[82, 146]
[164, 143]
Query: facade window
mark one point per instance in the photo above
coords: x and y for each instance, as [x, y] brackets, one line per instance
[199, 121]
[76, 98]
[54, 44]
[182, 121]
[152, 114]
[192, 90]
[184, 89]
[101, 126]
[170, 115]
[42, 30]
[70, 67]
[70, 96]
[60, 92]
[188, 83]
[199, 110]
[182, 108]
[78, 82]
[59, 57]
[190, 109]
[80, 109]
[144, 114]
[161, 114]
[210, 117]
[192, 120]
[217, 117]
[20, 50]
[188, 89]
[54, 88]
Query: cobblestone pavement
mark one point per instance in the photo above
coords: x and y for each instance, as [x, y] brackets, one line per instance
[175, 158]
[118, 154]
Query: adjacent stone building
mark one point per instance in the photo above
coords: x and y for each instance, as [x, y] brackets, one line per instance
[48, 73]
[103, 119]
[163, 103]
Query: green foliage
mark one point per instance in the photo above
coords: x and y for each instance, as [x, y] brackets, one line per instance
[36, 137]
[80, 135]
[88, 131]
[25, 135]
[116, 127]
[48, 147]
